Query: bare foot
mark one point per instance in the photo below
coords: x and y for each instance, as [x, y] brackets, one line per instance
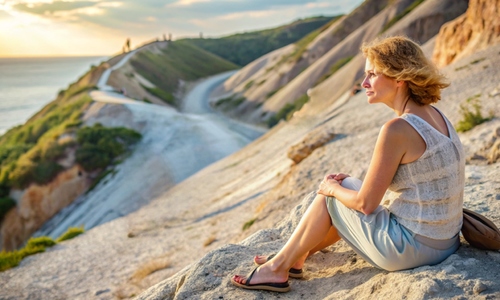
[262, 259]
[263, 274]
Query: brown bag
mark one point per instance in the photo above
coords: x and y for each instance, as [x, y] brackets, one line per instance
[479, 231]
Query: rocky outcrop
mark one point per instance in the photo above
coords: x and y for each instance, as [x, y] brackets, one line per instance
[334, 273]
[313, 140]
[38, 203]
[478, 28]
[490, 152]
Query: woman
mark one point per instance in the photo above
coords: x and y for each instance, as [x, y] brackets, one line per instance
[418, 157]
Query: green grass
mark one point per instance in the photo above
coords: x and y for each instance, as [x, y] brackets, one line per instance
[165, 96]
[471, 114]
[401, 15]
[301, 45]
[334, 68]
[229, 102]
[99, 146]
[34, 245]
[287, 111]
[71, 233]
[246, 47]
[248, 224]
[180, 60]
[28, 153]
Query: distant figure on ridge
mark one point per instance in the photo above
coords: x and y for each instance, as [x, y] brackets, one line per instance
[126, 47]
[418, 158]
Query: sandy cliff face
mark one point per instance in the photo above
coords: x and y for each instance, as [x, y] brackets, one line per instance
[198, 224]
[342, 40]
[473, 31]
[38, 203]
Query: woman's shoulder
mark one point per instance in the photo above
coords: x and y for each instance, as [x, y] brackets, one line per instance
[397, 126]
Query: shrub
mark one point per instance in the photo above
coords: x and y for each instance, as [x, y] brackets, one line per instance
[99, 146]
[34, 245]
[287, 111]
[9, 260]
[471, 114]
[71, 233]
[41, 241]
[249, 224]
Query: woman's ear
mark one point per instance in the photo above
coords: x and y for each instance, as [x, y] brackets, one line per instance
[400, 83]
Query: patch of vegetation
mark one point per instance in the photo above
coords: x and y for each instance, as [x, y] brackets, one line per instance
[179, 61]
[334, 68]
[229, 102]
[165, 96]
[244, 48]
[34, 245]
[301, 45]
[248, 224]
[477, 61]
[471, 114]
[287, 111]
[249, 84]
[100, 146]
[71, 233]
[461, 68]
[271, 93]
[401, 15]
[29, 153]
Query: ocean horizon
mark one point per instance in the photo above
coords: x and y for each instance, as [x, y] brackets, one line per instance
[27, 84]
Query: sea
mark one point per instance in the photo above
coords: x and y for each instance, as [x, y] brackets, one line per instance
[28, 84]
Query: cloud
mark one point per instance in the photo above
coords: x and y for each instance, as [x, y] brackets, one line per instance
[42, 8]
[146, 19]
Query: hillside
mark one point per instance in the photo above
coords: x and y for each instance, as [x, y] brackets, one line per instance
[269, 87]
[52, 160]
[158, 71]
[242, 48]
[189, 241]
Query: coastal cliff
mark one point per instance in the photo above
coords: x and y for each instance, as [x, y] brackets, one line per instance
[187, 242]
[477, 29]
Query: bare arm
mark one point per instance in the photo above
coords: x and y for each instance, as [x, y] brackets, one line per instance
[392, 144]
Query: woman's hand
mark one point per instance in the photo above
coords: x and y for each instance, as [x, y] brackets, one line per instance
[330, 183]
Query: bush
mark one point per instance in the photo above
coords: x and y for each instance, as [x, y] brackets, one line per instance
[71, 233]
[37, 242]
[10, 260]
[287, 111]
[100, 146]
[34, 245]
[471, 114]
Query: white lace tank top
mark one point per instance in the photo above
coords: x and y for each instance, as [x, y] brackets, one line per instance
[426, 196]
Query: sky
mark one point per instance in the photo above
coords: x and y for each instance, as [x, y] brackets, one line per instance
[101, 27]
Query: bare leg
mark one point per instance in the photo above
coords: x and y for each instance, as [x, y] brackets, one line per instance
[312, 230]
[331, 238]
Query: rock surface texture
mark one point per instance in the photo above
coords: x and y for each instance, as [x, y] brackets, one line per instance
[478, 28]
[188, 241]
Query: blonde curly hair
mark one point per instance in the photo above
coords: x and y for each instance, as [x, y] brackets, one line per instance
[402, 59]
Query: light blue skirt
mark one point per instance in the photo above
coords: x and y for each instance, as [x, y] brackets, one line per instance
[382, 241]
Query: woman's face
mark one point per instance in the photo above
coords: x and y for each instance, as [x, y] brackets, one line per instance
[379, 88]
